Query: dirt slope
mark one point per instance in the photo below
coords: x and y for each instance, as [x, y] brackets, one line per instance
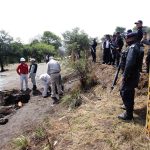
[92, 126]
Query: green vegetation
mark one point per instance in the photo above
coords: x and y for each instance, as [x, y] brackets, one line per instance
[76, 42]
[21, 143]
[11, 51]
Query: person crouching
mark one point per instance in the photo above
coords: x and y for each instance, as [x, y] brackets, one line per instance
[46, 80]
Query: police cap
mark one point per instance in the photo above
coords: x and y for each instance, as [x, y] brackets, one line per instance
[139, 22]
[132, 34]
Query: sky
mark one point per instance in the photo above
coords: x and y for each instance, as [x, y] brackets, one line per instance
[27, 19]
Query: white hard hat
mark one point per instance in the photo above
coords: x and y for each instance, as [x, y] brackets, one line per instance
[22, 59]
[51, 57]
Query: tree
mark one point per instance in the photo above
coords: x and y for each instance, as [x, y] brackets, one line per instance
[51, 39]
[5, 41]
[76, 42]
[39, 50]
[120, 29]
[16, 51]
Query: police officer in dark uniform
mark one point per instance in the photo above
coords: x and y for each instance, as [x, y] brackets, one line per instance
[139, 27]
[119, 43]
[93, 50]
[146, 42]
[131, 76]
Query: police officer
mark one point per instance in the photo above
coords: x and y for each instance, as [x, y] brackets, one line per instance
[146, 42]
[119, 43]
[93, 50]
[139, 27]
[131, 76]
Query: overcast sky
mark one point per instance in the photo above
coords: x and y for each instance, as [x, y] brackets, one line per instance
[28, 18]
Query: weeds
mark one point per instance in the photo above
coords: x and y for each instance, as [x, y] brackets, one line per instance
[84, 70]
[21, 143]
[73, 99]
[39, 133]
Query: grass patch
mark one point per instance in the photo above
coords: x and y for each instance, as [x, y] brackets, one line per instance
[72, 99]
[21, 143]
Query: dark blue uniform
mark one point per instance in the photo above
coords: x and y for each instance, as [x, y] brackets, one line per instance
[131, 76]
[93, 50]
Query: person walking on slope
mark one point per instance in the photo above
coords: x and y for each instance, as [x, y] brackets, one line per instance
[131, 76]
[53, 70]
[22, 71]
[32, 72]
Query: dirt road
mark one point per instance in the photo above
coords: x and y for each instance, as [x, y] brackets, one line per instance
[29, 115]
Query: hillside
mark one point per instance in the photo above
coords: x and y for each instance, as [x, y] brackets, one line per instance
[92, 126]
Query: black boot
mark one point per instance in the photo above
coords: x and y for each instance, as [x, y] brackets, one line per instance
[34, 87]
[55, 100]
[125, 116]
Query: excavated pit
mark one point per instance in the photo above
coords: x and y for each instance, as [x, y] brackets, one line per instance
[10, 102]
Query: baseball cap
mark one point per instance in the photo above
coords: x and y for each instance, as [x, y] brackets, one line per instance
[139, 21]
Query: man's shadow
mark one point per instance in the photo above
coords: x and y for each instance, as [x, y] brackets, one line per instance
[36, 92]
[141, 116]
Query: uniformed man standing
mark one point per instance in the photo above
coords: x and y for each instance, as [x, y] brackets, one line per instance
[119, 43]
[131, 76]
[93, 50]
[146, 42]
[139, 27]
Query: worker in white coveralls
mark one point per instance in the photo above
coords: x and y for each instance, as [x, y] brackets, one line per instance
[32, 72]
[46, 81]
[53, 69]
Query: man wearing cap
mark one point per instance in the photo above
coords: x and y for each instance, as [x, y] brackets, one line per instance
[32, 72]
[131, 76]
[53, 70]
[139, 27]
[22, 70]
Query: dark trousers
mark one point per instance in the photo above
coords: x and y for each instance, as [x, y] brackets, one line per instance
[127, 94]
[117, 58]
[141, 57]
[113, 54]
[93, 56]
[106, 55]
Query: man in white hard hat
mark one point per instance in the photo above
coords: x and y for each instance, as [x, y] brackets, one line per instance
[53, 70]
[46, 80]
[32, 72]
[22, 70]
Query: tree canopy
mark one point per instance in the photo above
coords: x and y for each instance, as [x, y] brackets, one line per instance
[76, 40]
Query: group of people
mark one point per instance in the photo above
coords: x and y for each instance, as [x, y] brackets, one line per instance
[131, 63]
[130, 60]
[51, 80]
[112, 47]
